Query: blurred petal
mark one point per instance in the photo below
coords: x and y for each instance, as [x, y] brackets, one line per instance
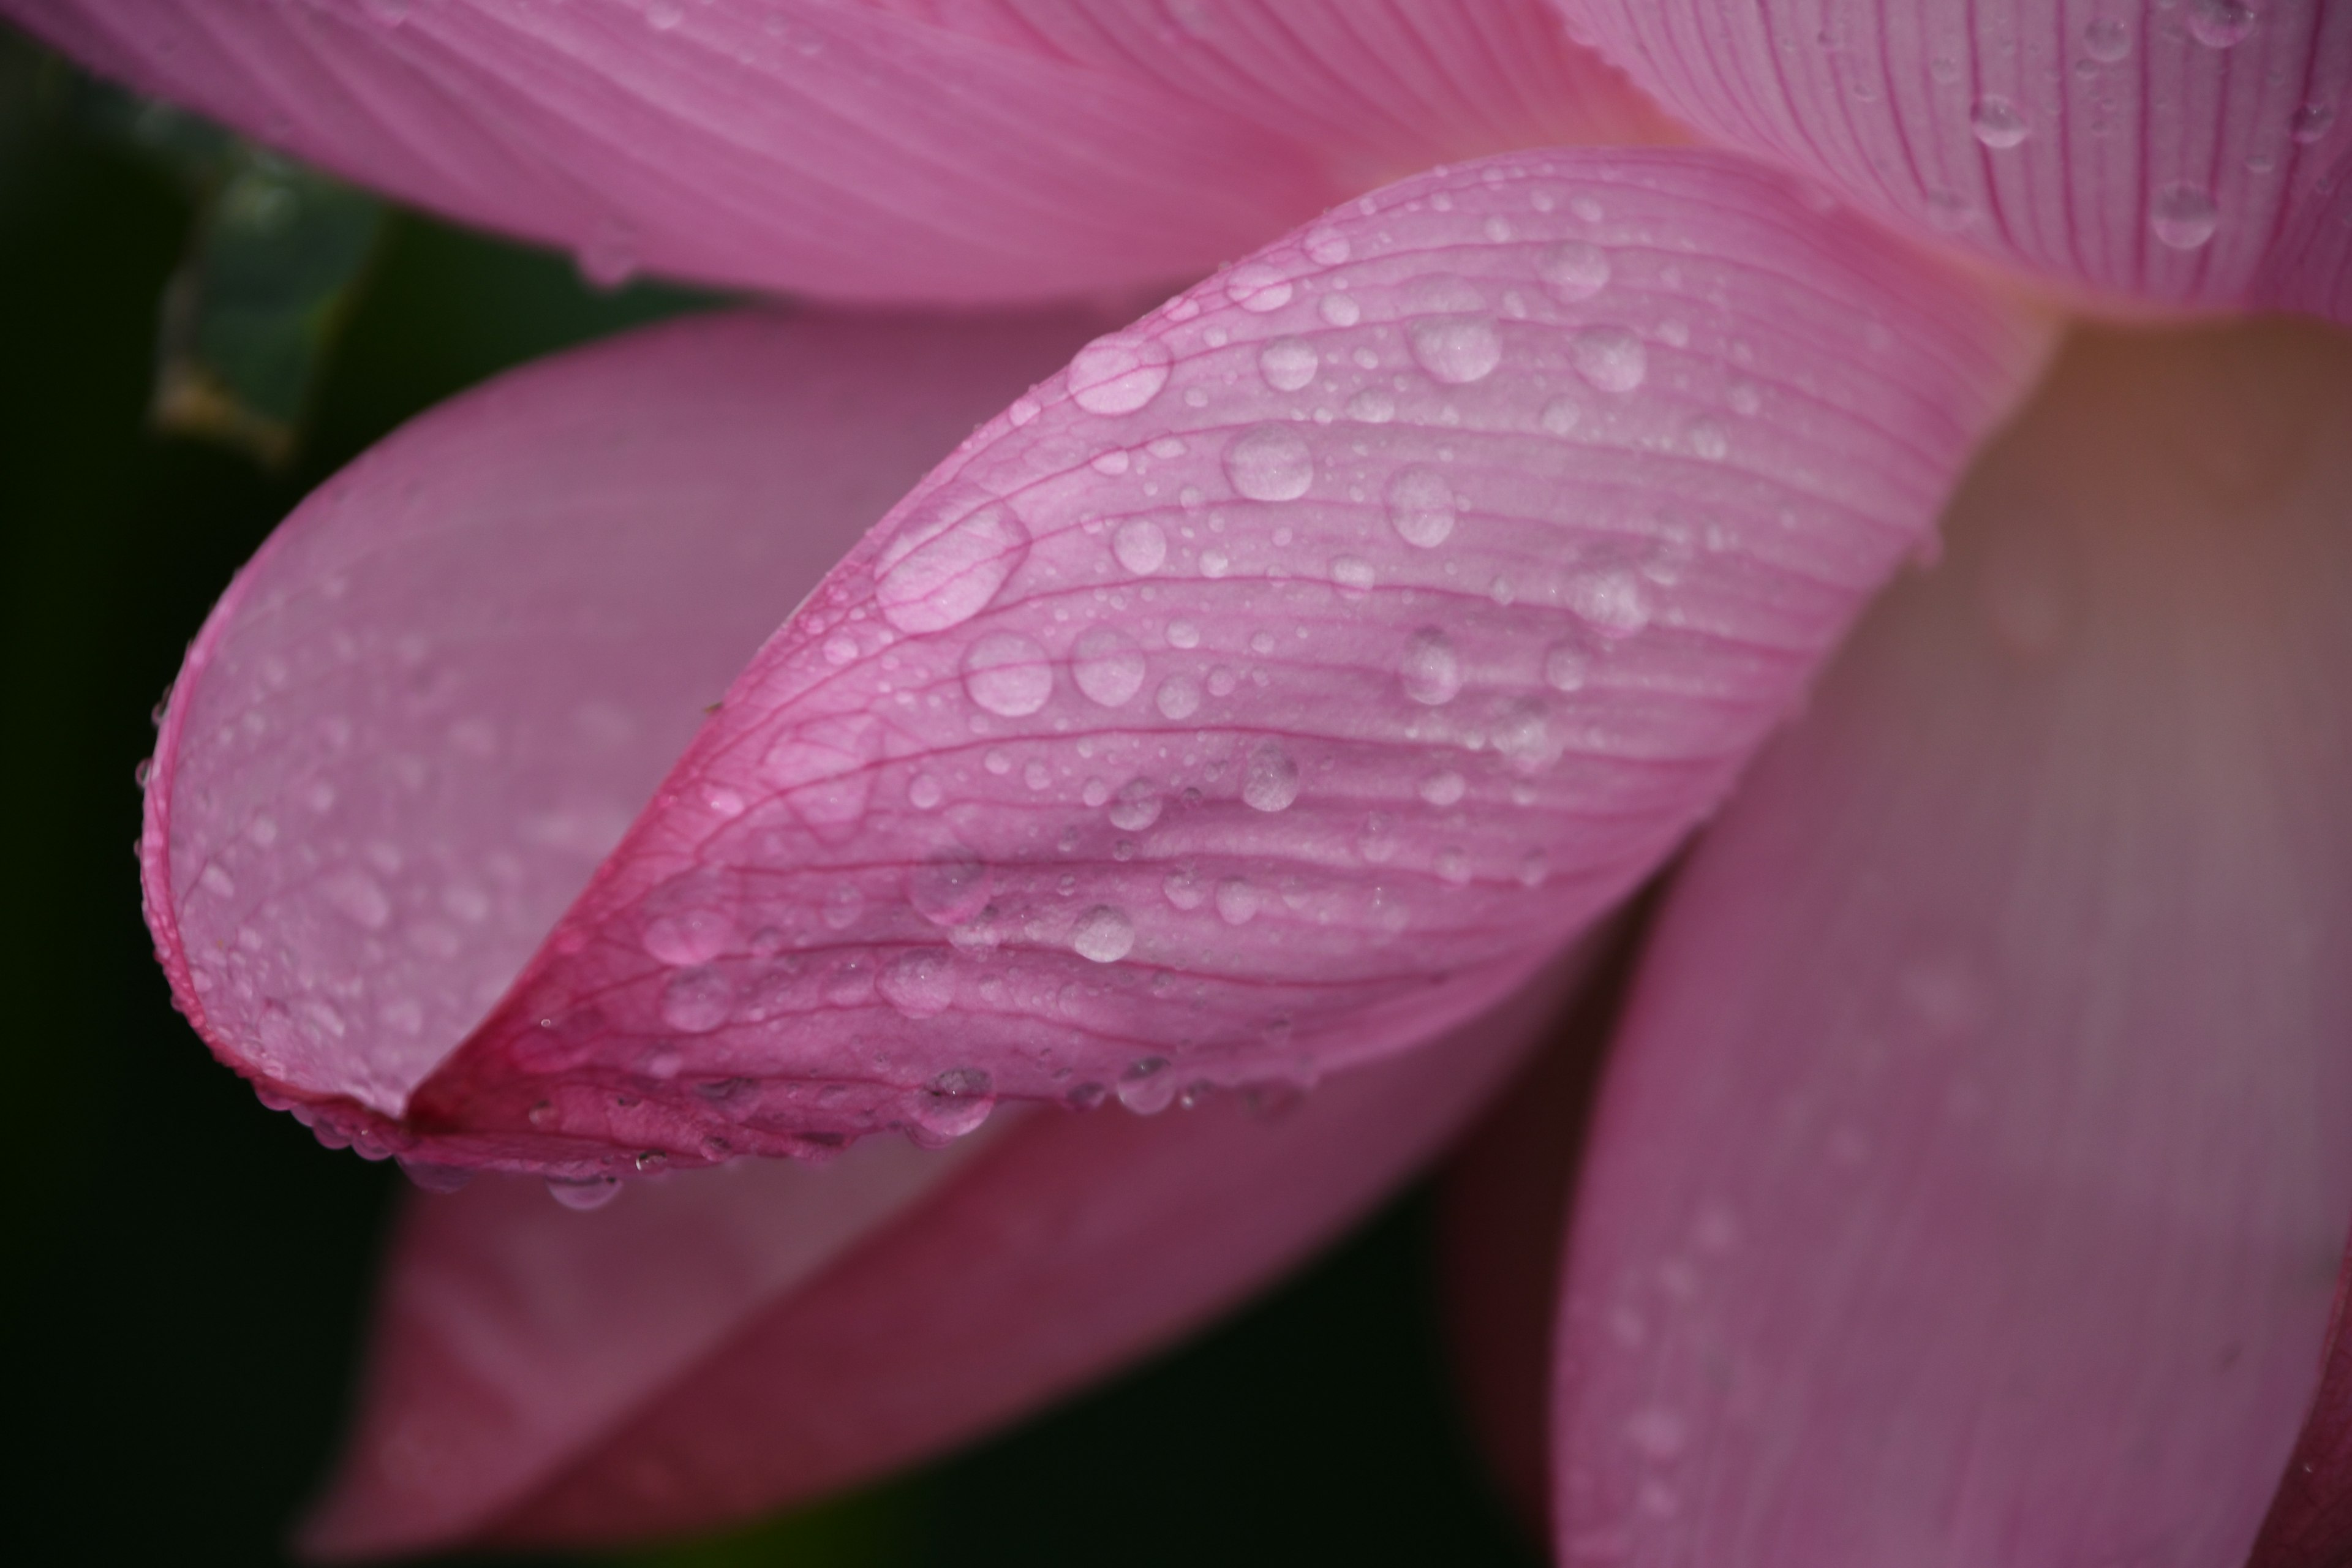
[1024, 153]
[435, 700]
[728, 1342]
[2310, 1522]
[1271, 689]
[1970, 1177]
[2191, 154]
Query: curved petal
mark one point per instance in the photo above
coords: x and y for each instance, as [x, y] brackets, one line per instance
[843, 151]
[728, 1342]
[437, 697]
[2310, 1522]
[1970, 1177]
[1270, 690]
[2192, 154]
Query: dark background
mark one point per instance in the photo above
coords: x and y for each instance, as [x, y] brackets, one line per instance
[186, 1271]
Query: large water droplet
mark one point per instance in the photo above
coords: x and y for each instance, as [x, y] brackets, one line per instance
[1421, 506]
[1119, 373]
[584, 1192]
[1996, 122]
[919, 983]
[2106, 40]
[1457, 350]
[953, 1104]
[1147, 1088]
[2219, 24]
[1107, 667]
[1610, 358]
[1268, 462]
[1269, 779]
[1139, 546]
[2311, 122]
[690, 936]
[2183, 216]
[1137, 806]
[1237, 901]
[1575, 270]
[1007, 674]
[696, 1001]
[1103, 935]
[943, 567]
[1287, 363]
[1254, 286]
[1431, 669]
[949, 888]
[1613, 602]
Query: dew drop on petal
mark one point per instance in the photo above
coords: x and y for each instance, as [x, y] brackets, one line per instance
[1372, 405]
[1610, 358]
[1103, 935]
[1107, 666]
[2219, 24]
[1353, 574]
[1340, 309]
[1457, 350]
[1565, 668]
[1137, 806]
[2107, 39]
[954, 1103]
[1430, 668]
[584, 1192]
[1007, 674]
[1119, 373]
[1269, 779]
[1178, 698]
[2311, 122]
[1574, 270]
[1237, 901]
[1326, 246]
[1254, 286]
[942, 568]
[949, 888]
[2183, 216]
[696, 1001]
[1613, 603]
[1997, 124]
[690, 936]
[1287, 363]
[1420, 507]
[1140, 545]
[919, 983]
[1268, 462]
[1561, 415]
[1442, 788]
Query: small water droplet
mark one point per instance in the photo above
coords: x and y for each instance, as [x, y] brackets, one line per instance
[2311, 122]
[1269, 463]
[1178, 698]
[1613, 602]
[1140, 546]
[1430, 669]
[1561, 415]
[358, 897]
[584, 1192]
[1706, 439]
[1119, 373]
[1442, 787]
[1372, 405]
[1353, 574]
[1610, 358]
[2183, 216]
[1147, 1088]
[1421, 506]
[1574, 270]
[1007, 674]
[1107, 667]
[842, 904]
[950, 886]
[1103, 935]
[1254, 286]
[696, 1001]
[943, 567]
[919, 983]
[1137, 807]
[1996, 122]
[690, 936]
[924, 793]
[1184, 889]
[1565, 668]
[2107, 39]
[1657, 1433]
[1287, 363]
[1269, 779]
[1340, 309]
[953, 1104]
[2219, 24]
[1237, 901]
[1326, 246]
[1457, 350]
[1182, 633]
[1453, 868]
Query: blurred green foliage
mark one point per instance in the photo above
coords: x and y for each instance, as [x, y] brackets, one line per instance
[188, 1272]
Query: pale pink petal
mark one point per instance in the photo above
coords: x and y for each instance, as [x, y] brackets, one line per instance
[1271, 689]
[436, 699]
[1970, 1178]
[727, 1341]
[2192, 153]
[843, 151]
[2310, 1522]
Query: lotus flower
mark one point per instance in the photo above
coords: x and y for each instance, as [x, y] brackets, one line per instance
[1657, 412]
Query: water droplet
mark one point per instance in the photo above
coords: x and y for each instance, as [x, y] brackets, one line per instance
[1287, 363]
[1182, 633]
[1326, 246]
[1136, 806]
[2106, 40]
[2311, 122]
[1107, 667]
[1139, 546]
[690, 936]
[1561, 415]
[1565, 668]
[2219, 24]
[609, 258]
[1453, 868]
[1612, 602]
[1996, 122]
[1457, 350]
[1611, 358]
[1103, 935]
[1421, 506]
[943, 567]
[924, 793]
[1431, 670]
[842, 904]
[1237, 901]
[1948, 212]
[1574, 270]
[1340, 309]
[2183, 216]
[949, 888]
[1269, 779]
[358, 897]
[1184, 888]
[1254, 286]
[1442, 788]
[954, 1103]
[1007, 674]
[1656, 1433]
[1706, 439]
[1534, 866]
[1148, 1087]
[1214, 562]
[584, 1192]
[1178, 698]
[696, 1001]
[1268, 462]
[1353, 574]
[1372, 405]
[919, 983]
[1119, 373]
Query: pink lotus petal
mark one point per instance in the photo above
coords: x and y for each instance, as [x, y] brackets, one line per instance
[2310, 1522]
[435, 700]
[1271, 689]
[728, 1342]
[2197, 154]
[1970, 1178]
[836, 149]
